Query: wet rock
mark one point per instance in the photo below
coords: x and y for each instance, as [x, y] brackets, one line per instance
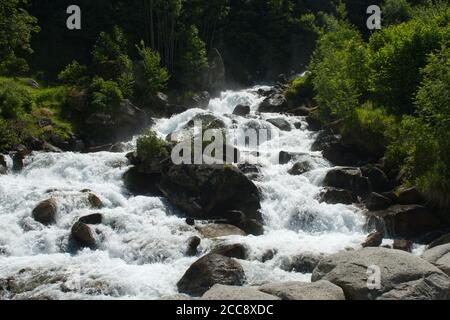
[320, 290]
[445, 239]
[268, 255]
[190, 221]
[199, 100]
[404, 276]
[378, 179]
[192, 245]
[142, 183]
[219, 230]
[274, 103]
[117, 147]
[410, 196]
[241, 110]
[348, 179]
[373, 240]
[333, 150]
[280, 123]
[302, 263]
[406, 221]
[210, 270]
[313, 123]
[403, 245]
[46, 211]
[95, 218]
[18, 162]
[3, 165]
[252, 171]
[440, 257]
[300, 111]
[224, 293]
[285, 157]
[236, 250]
[335, 196]
[210, 191]
[95, 201]
[83, 234]
[251, 226]
[300, 168]
[376, 201]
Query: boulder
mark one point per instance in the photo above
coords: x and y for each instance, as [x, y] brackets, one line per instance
[252, 171]
[192, 245]
[18, 164]
[95, 201]
[378, 179]
[208, 271]
[302, 263]
[251, 226]
[348, 179]
[406, 221]
[403, 245]
[333, 150]
[241, 110]
[142, 183]
[445, 239]
[46, 211]
[376, 201]
[210, 191]
[285, 157]
[300, 168]
[3, 161]
[95, 218]
[320, 290]
[280, 123]
[236, 250]
[228, 293]
[439, 256]
[335, 196]
[211, 231]
[403, 275]
[199, 100]
[410, 196]
[300, 111]
[374, 240]
[83, 235]
[208, 121]
[314, 124]
[274, 103]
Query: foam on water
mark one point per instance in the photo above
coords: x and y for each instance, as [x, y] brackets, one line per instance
[142, 241]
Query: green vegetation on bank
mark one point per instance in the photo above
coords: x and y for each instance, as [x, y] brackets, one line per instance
[390, 92]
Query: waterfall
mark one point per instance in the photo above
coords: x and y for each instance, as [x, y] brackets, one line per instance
[142, 240]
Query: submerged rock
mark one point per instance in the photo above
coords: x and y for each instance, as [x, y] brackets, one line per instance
[320, 290]
[300, 168]
[224, 293]
[236, 250]
[220, 230]
[210, 191]
[95, 218]
[404, 276]
[241, 110]
[46, 211]
[335, 196]
[280, 123]
[210, 270]
[274, 103]
[83, 234]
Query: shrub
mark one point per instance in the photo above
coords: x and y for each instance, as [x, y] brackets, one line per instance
[301, 90]
[14, 100]
[156, 77]
[105, 95]
[396, 11]
[397, 54]
[150, 148]
[74, 74]
[368, 124]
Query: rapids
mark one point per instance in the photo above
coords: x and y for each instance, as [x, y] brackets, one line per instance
[142, 241]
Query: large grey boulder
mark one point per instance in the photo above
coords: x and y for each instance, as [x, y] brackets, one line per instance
[320, 290]
[403, 275]
[440, 257]
[224, 293]
[210, 270]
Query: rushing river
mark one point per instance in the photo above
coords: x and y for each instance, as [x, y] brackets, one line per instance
[142, 243]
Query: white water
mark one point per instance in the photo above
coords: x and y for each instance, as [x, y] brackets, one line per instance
[141, 242]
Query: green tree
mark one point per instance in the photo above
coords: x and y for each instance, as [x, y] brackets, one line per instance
[156, 76]
[16, 28]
